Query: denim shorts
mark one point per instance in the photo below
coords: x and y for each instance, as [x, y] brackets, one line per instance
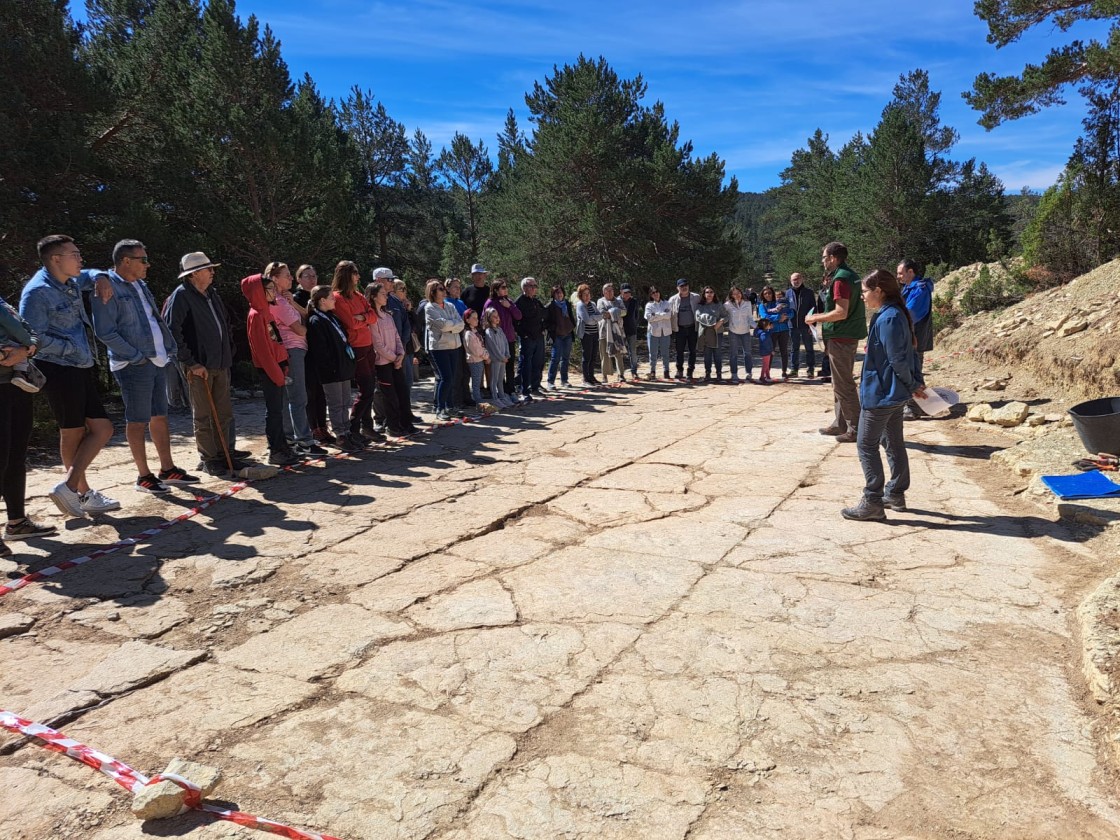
[144, 391]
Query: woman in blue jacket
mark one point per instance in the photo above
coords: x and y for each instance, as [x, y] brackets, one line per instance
[778, 312]
[891, 374]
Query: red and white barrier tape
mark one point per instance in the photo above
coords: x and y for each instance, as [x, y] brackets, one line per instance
[127, 542]
[134, 781]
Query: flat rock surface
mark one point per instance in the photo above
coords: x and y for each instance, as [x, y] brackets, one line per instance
[628, 613]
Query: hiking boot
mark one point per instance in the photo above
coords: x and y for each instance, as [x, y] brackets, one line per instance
[848, 437]
[865, 511]
[896, 502]
[834, 431]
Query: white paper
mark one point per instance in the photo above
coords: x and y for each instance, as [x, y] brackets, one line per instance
[815, 329]
[932, 403]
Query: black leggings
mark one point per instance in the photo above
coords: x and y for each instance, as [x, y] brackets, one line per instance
[781, 341]
[15, 431]
[590, 345]
[393, 393]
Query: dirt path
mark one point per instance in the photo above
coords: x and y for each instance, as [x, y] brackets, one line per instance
[629, 614]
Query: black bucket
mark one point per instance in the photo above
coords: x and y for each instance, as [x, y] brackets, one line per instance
[1098, 424]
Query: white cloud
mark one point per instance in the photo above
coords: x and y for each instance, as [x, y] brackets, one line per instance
[1017, 174]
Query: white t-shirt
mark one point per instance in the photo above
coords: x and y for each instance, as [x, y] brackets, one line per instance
[157, 335]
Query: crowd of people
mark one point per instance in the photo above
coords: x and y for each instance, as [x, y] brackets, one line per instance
[337, 362]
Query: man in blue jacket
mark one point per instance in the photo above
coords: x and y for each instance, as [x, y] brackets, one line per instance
[51, 304]
[917, 291]
[140, 349]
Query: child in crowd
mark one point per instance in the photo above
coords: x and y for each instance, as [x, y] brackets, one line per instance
[765, 348]
[333, 358]
[474, 342]
[497, 345]
[25, 375]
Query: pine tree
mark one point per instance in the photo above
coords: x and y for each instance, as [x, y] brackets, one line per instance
[49, 177]
[467, 168]
[1091, 65]
[383, 152]
[601, 189]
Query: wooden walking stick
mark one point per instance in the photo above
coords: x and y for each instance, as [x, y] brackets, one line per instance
[214, 420]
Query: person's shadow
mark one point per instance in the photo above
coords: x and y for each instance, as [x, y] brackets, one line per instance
[998, 524]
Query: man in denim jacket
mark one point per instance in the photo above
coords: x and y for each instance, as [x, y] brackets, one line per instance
[52, 304]
[140, 347]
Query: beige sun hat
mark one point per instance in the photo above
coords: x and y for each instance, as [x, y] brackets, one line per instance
[194, 261]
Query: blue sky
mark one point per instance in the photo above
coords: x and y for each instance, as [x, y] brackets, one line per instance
[749, 80]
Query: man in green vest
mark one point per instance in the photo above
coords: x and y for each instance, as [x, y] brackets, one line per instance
[845, 323]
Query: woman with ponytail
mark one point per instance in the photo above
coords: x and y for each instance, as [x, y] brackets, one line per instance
[891, 375]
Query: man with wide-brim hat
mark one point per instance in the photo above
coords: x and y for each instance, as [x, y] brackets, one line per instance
[200, 325]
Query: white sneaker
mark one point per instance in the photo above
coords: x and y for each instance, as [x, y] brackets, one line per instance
[68, 501]
[93, 502]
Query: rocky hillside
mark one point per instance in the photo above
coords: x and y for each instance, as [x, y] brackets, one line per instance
[1068, 338]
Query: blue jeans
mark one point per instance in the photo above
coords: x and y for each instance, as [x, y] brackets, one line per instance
[296, 427]
[531, 363]
[561, 353]
[803, 336]
[882, 426]
[659, 346]
[740, 344]
[476, 380]
[444, 362]
[144, 391]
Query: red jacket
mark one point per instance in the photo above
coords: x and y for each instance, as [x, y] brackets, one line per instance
[264, 337]
[345, 308]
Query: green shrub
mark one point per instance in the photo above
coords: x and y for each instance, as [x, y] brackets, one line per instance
[987, 292]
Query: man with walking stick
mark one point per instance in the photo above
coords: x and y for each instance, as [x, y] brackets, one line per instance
[200, 327]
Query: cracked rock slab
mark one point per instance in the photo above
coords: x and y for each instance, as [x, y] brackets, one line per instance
[702, 541]
[573, 796]
[190, 712]
[580, 585]
[15, 623]
[414, 582]
[400, 774]
[134, 664]
[509, 678]
[139, 617]
[482, 603]
[315, 642]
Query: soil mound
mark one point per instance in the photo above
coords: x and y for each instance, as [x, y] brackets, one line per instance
[1067, 337]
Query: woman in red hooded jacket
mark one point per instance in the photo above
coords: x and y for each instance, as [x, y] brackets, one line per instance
[271, 361]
